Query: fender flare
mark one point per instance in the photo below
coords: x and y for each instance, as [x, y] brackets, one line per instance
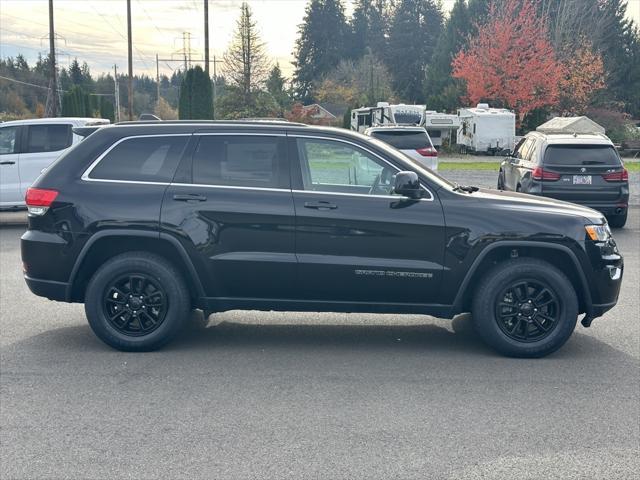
[457, 303]
[186, 260]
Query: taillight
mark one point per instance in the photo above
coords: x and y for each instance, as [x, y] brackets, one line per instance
[622, 176]
[39, 200]
[427, 152]
[540, 173]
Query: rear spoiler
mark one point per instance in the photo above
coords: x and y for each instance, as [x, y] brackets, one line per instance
[85, 131]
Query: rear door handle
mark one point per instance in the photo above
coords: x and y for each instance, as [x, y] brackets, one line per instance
[321, 205]
[7, 162]
[189, 197]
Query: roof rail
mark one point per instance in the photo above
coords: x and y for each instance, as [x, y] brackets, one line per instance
[247, 121]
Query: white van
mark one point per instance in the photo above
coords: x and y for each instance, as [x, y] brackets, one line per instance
[27, 147]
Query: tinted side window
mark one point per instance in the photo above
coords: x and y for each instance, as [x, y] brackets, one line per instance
[148, 159]
[329, 166]
[241, 160]
[8, 139]
[48, 138]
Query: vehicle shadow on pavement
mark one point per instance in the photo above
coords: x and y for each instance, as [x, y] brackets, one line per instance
[202, 337]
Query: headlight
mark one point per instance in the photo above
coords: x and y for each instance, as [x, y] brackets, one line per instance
[598, 233]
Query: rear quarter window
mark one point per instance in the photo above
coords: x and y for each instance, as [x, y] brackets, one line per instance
[147, 159]
[48, 138]
[569, 155]
[404, 140]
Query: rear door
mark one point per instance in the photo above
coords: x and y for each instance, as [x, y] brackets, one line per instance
[43, 143]
[582, 169]
[233, 211]
[10, 193]
[355, 240]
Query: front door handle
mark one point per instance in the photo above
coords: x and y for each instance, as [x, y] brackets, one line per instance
[321, 205]
[7, 162]
[189, 197]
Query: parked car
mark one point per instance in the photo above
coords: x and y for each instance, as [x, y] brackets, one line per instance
[143, 222]
[414, 142]
[29, 146]
[579, 168]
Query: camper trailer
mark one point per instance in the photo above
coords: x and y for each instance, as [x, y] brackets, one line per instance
[441, 126]
[385, 114]
[486, 130]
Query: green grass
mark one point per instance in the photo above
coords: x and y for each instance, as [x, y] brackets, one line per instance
[493, 166]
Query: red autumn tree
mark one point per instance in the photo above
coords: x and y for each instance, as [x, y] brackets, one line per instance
[583, 77]
[511, 61]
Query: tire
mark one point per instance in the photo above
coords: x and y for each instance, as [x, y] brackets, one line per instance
[617, 221]
[500, 185]
[162, 302]
[493, 320]
[519, 188]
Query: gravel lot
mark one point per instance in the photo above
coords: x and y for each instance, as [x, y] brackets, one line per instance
[297, 395]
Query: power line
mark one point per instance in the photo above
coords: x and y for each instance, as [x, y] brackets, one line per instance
[28, 84]
[149, 17]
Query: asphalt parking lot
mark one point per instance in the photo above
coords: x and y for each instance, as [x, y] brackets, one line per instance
[291, 395]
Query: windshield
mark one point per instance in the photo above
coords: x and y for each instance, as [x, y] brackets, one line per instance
[415, 165]
[581, 155]
[403, 140]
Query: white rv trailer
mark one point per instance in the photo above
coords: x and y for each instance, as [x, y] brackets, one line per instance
[440, 126]
[486, 130]
[385, 114]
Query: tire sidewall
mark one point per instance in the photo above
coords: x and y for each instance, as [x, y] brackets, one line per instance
[167, 277]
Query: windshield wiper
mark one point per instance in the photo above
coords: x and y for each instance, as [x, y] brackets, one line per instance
[465, 188]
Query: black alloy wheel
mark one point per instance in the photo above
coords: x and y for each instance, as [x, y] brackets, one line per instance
[527, 311]
[135, 304]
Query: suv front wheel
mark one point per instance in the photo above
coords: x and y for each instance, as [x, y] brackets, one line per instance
[137, 302]
[525, 308]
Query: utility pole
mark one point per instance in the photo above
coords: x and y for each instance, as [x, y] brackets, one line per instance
[51, 109]
[116, 92]
[157, 81]
[130, 59]
[206, 37]
[215, 80]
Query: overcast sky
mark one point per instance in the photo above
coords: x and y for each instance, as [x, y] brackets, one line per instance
[95, 31]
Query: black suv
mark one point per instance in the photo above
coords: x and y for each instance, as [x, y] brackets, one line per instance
[579, 168]
[144, 222]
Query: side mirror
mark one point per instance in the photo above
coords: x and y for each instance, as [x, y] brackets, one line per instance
[407, 184]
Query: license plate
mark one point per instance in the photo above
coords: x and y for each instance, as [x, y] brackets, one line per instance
[582, 179]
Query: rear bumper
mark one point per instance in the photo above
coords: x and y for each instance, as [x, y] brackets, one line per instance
[47, 288]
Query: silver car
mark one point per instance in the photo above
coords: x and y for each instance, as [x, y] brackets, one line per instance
[410, 140]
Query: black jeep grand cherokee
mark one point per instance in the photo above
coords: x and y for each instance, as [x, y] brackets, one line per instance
[145, 221]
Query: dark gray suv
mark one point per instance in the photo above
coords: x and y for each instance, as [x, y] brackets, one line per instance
[579, 168]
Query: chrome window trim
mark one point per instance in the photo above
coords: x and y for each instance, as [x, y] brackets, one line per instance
[330, 139]
[234, 187]
[85, 176]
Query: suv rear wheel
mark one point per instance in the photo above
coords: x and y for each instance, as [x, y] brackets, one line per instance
[617, 221]
[525, 308]
[137, 302]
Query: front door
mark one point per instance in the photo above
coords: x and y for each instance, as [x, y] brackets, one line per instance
[355, 240]
[10, 193]
[234, 214]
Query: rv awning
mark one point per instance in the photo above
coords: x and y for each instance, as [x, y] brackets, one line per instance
[571, 125]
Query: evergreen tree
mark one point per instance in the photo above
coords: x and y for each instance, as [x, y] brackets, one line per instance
[320, 45]
[75, 72]
[196, 101]
[246, 65]
[276, 87]
[369, 27]
[106, 109]
[414, 33]
[76, 103]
